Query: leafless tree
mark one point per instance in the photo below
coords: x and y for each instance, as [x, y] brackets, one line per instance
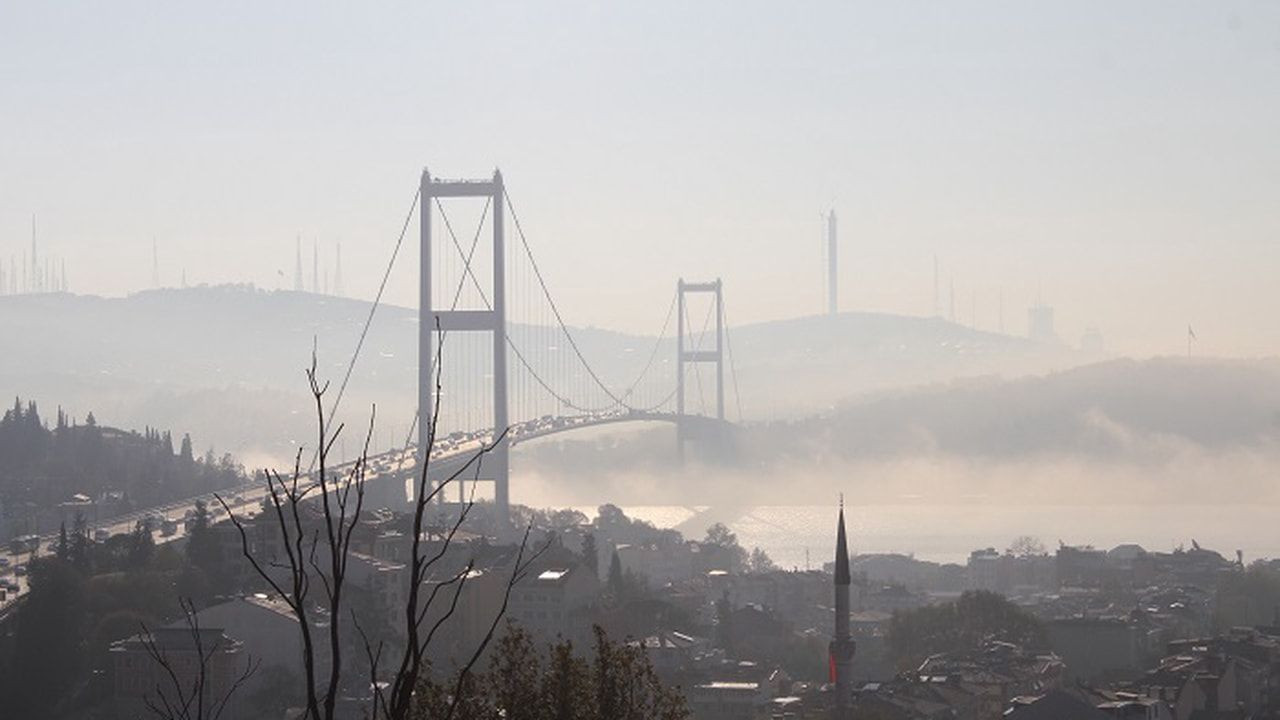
[1026, 546]
[186, 690]
[316, 554]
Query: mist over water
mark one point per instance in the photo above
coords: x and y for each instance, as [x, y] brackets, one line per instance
[799, 536]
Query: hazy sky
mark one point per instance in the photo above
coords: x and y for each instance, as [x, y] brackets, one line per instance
[1120, 159]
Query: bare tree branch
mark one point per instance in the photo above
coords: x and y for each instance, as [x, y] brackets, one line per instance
[178, 699]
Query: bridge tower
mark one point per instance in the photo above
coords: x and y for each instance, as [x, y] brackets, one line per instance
[431, 322]
[684, 357]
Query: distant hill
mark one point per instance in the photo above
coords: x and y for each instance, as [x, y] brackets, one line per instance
[1116, 409]
[1121, 432]
[226, 363]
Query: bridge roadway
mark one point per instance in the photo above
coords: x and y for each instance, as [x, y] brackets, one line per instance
[447, 456]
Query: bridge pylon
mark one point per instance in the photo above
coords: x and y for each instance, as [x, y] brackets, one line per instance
[431, 322]
[685, 428]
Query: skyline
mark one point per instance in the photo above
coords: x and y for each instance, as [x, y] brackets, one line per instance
[1120, 171]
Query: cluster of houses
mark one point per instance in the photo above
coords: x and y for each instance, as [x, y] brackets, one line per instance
[753, 645]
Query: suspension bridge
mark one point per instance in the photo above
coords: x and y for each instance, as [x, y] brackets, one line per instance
[516, 369]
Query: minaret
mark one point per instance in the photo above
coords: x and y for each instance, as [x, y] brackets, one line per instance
[842, 646]
[832, 265]
[315, 267]
[155, 265]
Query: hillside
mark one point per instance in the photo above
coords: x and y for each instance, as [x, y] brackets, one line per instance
[226, 363]
[1154, 432]
[1109, 409]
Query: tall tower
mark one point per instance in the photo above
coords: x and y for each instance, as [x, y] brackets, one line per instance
[155, 265]
[832, 266]
[297, 265]
[315, 266]
[35, 263]
[937, 301]
[842, 645]
[684, 357]
[337, 273]
[493, 321]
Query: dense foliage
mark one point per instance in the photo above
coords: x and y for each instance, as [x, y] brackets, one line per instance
[1248, 598]
[89, 594]
[617, 682]
[959, 627]
[46, 466]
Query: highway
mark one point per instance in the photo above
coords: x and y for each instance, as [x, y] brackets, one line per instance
[247, 499]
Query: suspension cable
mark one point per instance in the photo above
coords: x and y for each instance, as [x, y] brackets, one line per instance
[697, 367]
[656, 346]
[733, 369]
[554, 308]
[368, 321]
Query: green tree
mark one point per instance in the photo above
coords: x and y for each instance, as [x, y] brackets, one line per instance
[760, 562]
[564, 684]
[616, 582]
[64, 549]
[591, 554]
[724, 622]
[142, 545]
[720, 536]
[522, 684]
[960, 626]
[80, 545]
[1244, 598]
[513, 675]
[203, 551]
[47, 641]
[185, 455]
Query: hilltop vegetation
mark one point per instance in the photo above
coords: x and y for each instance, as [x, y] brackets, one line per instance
[1115, 409]
[1169, 430]
[44, 466]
